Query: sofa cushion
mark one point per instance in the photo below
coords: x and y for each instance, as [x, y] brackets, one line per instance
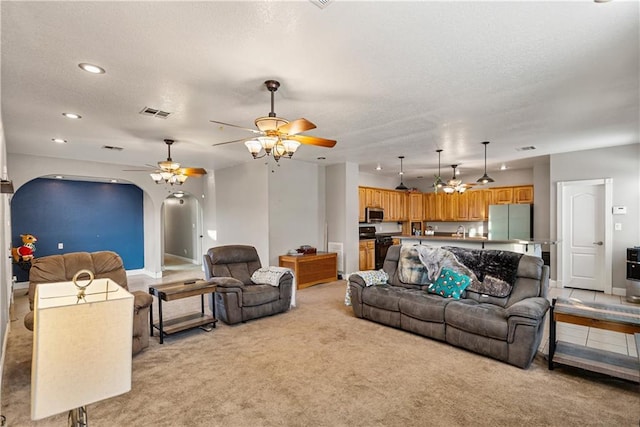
[450, 284]
[486, 320]
[383, 296]
[259, 294]
[424, 306]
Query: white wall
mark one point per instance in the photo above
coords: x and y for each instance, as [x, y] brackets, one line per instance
[343, 210]
[505, 178]
[272, 208]
[23, 169]
[296, 207]
[622, 164]
[242, 208]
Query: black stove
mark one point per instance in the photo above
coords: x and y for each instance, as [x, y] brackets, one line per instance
[383, 241]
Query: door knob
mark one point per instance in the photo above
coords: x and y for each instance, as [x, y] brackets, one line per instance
[598, 243]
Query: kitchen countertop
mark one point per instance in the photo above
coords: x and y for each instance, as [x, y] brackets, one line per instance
[479, 239]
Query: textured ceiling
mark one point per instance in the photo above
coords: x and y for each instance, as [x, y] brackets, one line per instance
[382, 78]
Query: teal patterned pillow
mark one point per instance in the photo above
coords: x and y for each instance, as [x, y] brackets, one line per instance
[450, 284]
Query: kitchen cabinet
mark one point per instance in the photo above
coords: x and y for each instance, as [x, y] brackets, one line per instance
[523, 194]
[429, 209]
[462, 208]
[373, 197]
[385, 203]
[415, 206]
[361, 204]
[502, 195]
[367, 255]
[477, 210]
[448, 206]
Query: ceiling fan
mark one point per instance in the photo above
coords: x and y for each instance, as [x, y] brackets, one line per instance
[455, 185]
[275, 135]
[171, 172]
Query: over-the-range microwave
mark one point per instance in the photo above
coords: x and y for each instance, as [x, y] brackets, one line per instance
[374, 214]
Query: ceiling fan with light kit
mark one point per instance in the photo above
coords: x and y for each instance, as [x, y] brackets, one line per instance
[276, 136]
[170, 171]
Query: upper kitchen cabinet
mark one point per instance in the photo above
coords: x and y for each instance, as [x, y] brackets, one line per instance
[415, 207]
[502, 195]
[476, 207]
[393, 202]
[373, 197]
[508, 195]
[523, 194]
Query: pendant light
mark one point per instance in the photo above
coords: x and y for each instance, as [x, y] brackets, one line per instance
[401, 186]
[485, 178]
[438, 183]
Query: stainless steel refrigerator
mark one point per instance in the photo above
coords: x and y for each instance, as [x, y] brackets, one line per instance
[508, 222]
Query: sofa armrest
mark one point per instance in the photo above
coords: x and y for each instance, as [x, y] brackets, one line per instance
[356, 279]
[226, 283]
[356, 286]
[141, 300]
[530, 308]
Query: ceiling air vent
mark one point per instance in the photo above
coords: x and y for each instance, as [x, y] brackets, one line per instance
[147, 111]
[527, 148]
[321, 3]
[111, 147]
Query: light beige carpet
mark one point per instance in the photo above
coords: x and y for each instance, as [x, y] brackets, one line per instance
[318, 365]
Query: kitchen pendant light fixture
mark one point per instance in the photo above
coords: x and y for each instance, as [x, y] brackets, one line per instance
[401, 186]
[438, 183]
[485, 178]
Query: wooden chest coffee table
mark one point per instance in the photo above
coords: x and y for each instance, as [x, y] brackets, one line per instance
[178, 290]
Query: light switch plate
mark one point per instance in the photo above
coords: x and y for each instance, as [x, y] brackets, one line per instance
[619, 210]
[618, 226]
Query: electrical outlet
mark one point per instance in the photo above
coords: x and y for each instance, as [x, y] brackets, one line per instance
[618, 226]
[60, 245]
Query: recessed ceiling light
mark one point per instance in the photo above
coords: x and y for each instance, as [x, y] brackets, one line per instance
[503, 167]
[90, 68]
[378, 168]
[59, 176]
[114, 180]
[59, 140]
[72, 115]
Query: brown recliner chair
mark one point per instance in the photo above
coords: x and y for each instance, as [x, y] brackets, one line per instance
[103, 264]
[237, 298]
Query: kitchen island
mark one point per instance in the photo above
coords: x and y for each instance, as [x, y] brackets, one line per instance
[529, 247]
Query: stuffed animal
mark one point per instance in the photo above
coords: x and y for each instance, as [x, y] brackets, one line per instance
[25, 252]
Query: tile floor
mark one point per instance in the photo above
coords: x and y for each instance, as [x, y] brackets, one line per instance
[591, 337]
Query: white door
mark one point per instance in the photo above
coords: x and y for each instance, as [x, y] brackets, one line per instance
[585, 238]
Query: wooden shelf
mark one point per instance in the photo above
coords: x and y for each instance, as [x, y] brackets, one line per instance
[171, 326]
[596, 360]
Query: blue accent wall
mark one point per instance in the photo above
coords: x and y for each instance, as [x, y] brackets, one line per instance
[84, 216]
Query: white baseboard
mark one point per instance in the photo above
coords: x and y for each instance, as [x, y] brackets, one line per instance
[20, 285]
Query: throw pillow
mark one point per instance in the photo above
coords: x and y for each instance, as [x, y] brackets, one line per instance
[493, 286]
[450, 284]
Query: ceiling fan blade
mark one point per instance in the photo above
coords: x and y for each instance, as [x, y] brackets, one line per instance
[138, 170]
[296, 126]
[231, 142]
[313, 140]
[238, 127]
[192, 171]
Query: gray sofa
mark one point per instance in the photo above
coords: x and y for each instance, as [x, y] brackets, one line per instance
[505, 328]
